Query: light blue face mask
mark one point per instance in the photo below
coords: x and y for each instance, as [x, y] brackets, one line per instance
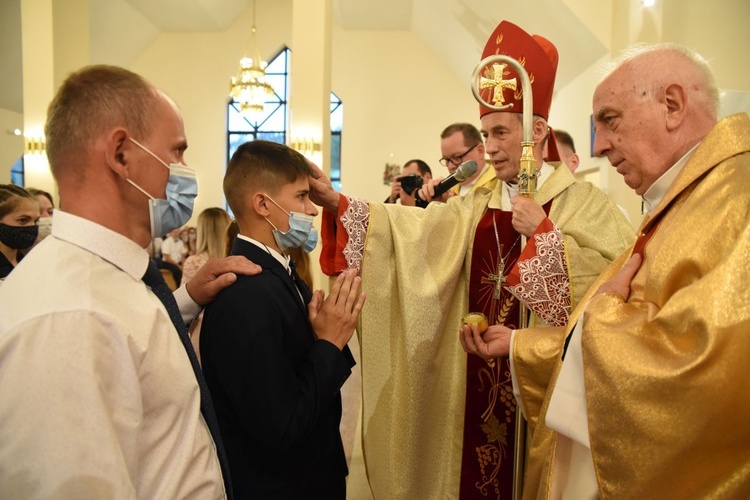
[174, 211]
[301, 232]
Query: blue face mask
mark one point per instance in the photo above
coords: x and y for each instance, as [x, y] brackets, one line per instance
[174, 211]
[301, 232]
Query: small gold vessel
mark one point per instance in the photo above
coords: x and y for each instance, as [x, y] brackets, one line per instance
[477, 318]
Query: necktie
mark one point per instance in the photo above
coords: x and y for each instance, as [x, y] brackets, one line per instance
[304, 291]
[154, 280]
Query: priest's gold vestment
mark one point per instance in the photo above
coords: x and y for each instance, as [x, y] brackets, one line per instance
[667, 372]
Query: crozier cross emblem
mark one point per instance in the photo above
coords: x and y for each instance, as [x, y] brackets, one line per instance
[497, 84]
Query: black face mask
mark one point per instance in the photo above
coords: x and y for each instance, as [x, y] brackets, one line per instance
[18, 237]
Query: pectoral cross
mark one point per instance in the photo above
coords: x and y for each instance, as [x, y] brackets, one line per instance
[497, 83]
[498, 279]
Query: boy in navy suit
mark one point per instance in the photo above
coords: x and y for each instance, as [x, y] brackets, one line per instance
[275, 355]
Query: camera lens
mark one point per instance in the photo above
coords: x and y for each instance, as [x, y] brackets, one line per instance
[411, 182]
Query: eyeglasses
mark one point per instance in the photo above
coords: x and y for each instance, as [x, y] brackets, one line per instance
[456, 160]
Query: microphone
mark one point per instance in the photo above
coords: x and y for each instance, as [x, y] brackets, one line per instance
[466, 170]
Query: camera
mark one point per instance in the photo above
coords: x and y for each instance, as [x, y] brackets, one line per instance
[410, 182]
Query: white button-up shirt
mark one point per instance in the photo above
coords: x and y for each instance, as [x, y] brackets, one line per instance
[97, 395]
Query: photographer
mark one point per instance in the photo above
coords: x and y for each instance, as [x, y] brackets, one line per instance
[404, 187]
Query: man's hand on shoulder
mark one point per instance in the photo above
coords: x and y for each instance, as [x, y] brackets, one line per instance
[216, 275]
[334, 318]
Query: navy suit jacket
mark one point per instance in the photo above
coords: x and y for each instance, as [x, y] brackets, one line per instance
[275, 387]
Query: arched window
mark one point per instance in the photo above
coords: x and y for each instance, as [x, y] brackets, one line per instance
[337, 123]
[271, 124]
[18, 173]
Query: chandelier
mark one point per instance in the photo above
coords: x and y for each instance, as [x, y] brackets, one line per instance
[249, 88]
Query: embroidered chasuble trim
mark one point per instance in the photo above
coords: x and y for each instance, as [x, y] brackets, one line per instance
[355, 221]
[540, 279]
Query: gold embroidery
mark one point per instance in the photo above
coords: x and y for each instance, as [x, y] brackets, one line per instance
[493, 79]
[498, 307]
[491, 455]
[505, 309]
[518, 93]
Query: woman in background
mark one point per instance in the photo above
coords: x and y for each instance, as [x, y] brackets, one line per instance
[46, 203]
[212, 226]
[192, 243]
[232, 231]
[211, 232]
[19, 212]
[47, 207]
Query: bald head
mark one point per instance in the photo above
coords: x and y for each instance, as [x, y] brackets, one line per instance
[655, 104]
[656, 66]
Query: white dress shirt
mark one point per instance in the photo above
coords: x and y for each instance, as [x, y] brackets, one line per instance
[99, 399]
[283, 259]
[174, 248]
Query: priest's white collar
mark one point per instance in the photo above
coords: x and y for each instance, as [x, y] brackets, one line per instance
[654, 194]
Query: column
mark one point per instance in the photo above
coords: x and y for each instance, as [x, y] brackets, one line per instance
[311, 88]
[55, 41]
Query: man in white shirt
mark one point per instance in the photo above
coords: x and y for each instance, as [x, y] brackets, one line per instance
[173, 249]
[173, 253]
[101, 397]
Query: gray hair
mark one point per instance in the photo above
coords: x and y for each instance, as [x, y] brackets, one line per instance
[699, 64]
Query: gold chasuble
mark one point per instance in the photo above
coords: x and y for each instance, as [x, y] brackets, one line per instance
[666, 373]
[415, 266]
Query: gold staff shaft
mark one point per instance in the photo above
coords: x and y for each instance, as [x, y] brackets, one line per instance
[527, 176]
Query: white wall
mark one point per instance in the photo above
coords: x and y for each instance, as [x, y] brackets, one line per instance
[397, 99]
[194, 69]
[717, 30]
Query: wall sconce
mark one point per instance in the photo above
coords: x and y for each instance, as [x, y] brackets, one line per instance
[307, 146]
[34, 145]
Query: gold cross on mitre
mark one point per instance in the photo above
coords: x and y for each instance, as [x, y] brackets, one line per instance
[496, 83]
